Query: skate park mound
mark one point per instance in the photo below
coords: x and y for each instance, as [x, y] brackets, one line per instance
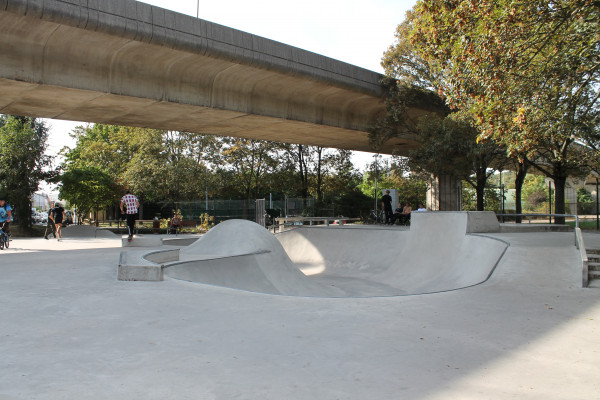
[436, 255]
[86, 231]
[243, 255]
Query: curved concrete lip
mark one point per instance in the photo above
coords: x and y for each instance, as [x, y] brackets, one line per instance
[437, 255]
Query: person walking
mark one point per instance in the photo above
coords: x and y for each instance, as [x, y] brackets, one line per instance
[58, 216]
[50, 227]
[131, 204]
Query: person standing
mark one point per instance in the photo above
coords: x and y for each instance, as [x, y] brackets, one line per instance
[386, 204]
[5, 215]
[131, 204]
[50, 227]
[58, 216]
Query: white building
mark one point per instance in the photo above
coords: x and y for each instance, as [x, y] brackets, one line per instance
[40, 201]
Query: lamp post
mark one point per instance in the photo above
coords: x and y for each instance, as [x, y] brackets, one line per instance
[376, 156]
[198, 9]
[550, 200]
[501, 197]
[597, 211]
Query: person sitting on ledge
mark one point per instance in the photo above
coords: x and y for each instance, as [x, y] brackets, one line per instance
[175, 223]
[397, 213]
[404, 217]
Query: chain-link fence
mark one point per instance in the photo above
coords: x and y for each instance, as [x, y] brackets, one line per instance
[503, 201]
[223, 210]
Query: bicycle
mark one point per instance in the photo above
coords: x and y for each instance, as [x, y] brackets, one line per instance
[376, 217]
[4, 239]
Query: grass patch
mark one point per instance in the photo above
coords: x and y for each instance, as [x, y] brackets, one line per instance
[584, 225]
[35, 231]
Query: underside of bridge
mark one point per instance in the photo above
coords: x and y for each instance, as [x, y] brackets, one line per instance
[128, 63]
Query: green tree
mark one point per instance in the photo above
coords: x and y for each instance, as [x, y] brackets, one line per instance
[23, 141]
[445, 143]
[108, 147]
[339, 174]
[159, 166]
[526, 71]
[449, 147]
[322, 172]
[585, 201]
[395, 174]
[249, 162]
[380, 170]
[535, 191]
[492, 199]
[89, 188]
[189, 157]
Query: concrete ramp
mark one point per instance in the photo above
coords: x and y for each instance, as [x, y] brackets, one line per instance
[243, 255]
[436, 255]
[86, 231]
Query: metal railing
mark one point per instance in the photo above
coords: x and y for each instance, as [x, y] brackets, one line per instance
[584, 258]
[575, 216]
[579, 244]
[529, 215]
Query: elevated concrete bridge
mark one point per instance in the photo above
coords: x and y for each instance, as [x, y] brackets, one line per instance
[128, 63]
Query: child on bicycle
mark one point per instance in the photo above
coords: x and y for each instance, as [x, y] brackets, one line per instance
[5, 215]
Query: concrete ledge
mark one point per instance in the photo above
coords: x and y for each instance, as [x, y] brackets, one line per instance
[512, 228]
[142, 241]
[162, 256]
[482, 222]
[464, 221]
[183, 241]
[133, 267]
[141, 265]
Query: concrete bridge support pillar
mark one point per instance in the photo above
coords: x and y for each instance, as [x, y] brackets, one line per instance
[444, 194]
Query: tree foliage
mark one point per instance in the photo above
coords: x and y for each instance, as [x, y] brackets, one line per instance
[168, 167]
[449, 147]
[396, 174]
[89, 188]
[527, 72]
[446, 143]
[23, 141]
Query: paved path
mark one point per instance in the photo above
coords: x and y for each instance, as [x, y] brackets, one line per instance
[70, 330]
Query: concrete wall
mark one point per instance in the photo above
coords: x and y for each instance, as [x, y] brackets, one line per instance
[126, 62]
[444, 194]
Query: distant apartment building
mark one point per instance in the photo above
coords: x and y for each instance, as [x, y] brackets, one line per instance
[40, 201]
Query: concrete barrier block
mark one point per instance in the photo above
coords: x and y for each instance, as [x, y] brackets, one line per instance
[162, 256]
[142, 241]
[140, 273]
[482, 222]
[133, 267]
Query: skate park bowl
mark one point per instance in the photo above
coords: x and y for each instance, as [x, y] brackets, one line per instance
[441, 252]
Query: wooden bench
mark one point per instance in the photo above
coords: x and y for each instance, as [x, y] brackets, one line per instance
[186, 223]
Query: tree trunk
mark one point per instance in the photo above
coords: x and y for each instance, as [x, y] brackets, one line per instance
[519, 180]
[480, 189]
[303, 174]
[319, 175]
[22, 211]
[559, 197]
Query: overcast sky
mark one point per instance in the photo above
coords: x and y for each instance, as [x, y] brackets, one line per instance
[356, 32]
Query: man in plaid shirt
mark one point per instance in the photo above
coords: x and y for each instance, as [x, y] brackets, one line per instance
[131, 204]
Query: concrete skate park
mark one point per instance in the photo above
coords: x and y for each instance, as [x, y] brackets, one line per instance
[505, 315]
[451, 309]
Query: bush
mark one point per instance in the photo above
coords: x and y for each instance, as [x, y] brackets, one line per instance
[537, 199]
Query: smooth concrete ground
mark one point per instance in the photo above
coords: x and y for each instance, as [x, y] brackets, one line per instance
[70, 330]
